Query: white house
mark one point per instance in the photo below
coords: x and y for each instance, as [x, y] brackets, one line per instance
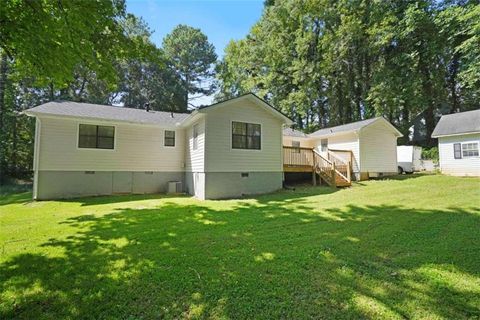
[370, 146]
[458, 143]
[224, 150]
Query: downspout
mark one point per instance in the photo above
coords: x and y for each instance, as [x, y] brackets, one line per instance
[36, 156]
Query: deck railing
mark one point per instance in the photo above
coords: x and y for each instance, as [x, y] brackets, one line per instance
[325, 168]
[297, 156]
[331, 167]
[342, 165]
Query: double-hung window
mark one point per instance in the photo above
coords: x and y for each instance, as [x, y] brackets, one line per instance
[96, 137]
[246, 135]
[169, 138]
[465, 150]
[470, 149]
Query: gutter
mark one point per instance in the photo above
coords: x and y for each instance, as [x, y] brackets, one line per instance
[454, 134]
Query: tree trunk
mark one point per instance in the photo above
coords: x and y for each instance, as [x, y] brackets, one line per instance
[429, 111]
[52, 92]
[3, 81]
[452, 84]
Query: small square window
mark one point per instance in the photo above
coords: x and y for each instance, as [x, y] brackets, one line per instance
[324, 145]
[296, 145]
[244, 174]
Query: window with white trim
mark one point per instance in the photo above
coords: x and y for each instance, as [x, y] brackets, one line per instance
[296, 145]
[470, 149]
[246, 135]
[96, 137]
[324, 145]
[169, 139]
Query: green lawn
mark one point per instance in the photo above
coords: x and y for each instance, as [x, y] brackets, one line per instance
[400, 248]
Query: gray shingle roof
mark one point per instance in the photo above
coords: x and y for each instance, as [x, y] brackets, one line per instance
[457, 123]
[294, 133]
[344, 128]
[102, 112]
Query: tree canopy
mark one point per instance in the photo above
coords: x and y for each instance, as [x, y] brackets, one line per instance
[87, 51]
[329, 62]
[192, 58]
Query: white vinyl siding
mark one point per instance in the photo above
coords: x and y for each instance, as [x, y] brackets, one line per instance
[343, 141]
[466, 166]
[137, 148]
[304, 143]
[195, 158]
[220, 157]
[378, 148]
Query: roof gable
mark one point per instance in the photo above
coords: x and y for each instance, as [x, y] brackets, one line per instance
[458, 123]
[247, 97]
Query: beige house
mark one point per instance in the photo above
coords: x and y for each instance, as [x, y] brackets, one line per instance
[458, 143]
[368, 148]
[224, 150]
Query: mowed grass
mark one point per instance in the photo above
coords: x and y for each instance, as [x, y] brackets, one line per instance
[407, 247]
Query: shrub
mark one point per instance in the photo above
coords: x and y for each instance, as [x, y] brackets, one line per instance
[430, 154]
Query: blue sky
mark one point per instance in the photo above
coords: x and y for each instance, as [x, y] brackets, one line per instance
[220, 20]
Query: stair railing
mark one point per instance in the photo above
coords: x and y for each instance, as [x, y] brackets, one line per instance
[342, 167]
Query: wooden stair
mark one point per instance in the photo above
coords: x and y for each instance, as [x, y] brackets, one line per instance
[334, 171]
[332, 168]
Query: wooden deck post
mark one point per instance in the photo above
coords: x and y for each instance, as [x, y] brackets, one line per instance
[334, 176]
[314, 174]
[349, 173]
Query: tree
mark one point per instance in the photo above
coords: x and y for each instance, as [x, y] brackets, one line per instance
[191, 57]
[46, 40]
[329, 62]
[60, 44]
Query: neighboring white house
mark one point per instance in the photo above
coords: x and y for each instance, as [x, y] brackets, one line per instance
[458, 143]
[370, 145]
[224, 150]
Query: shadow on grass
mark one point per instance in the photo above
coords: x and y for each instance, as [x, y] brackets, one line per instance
[277, 257]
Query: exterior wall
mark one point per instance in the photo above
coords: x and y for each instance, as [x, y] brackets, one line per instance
[71, 184]
[458, 167]
[195, 159]
[195, 184]
[343, 141]
[219, 185]
[304, 143]
[220, 157]
[137, 148]
[378, 149]
[140, 163]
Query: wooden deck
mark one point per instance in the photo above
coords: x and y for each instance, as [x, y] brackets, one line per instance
[297, 159]
[334, 168]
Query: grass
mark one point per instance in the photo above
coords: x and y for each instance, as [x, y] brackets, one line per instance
[407, 247]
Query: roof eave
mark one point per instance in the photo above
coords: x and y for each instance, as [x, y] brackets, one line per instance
[333, 134]
[454, 134]
[59, 116]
